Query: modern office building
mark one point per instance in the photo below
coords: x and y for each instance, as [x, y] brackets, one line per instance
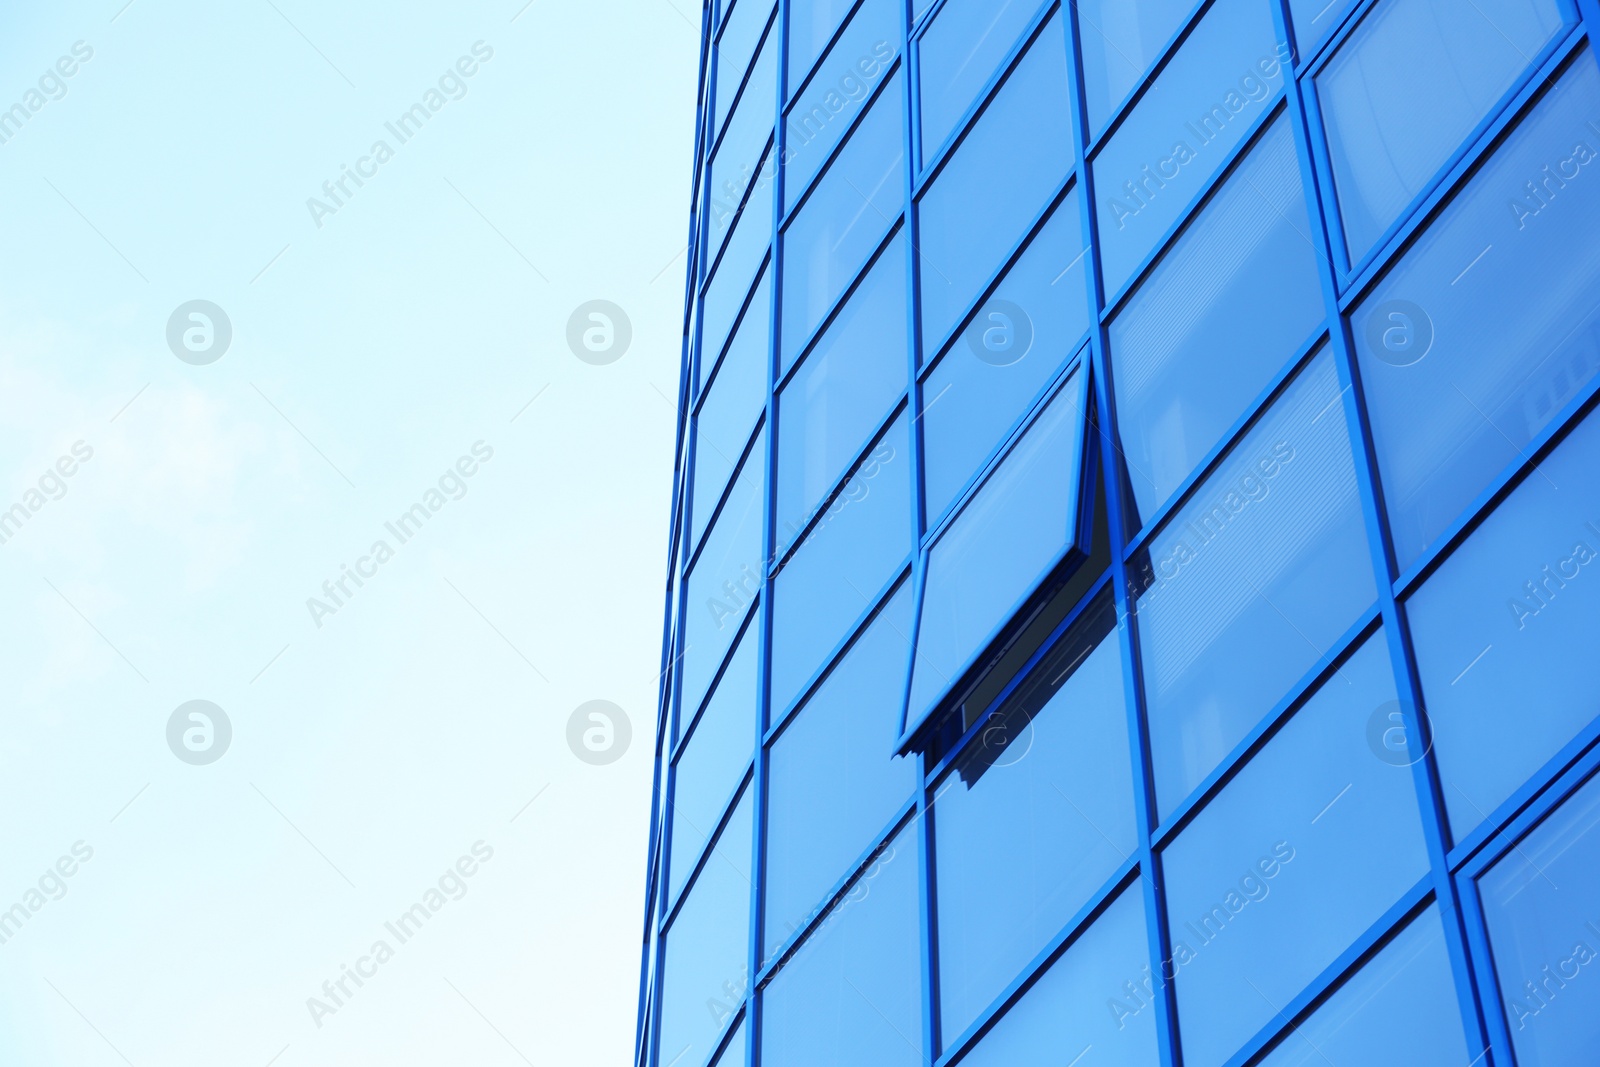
[1134, 585]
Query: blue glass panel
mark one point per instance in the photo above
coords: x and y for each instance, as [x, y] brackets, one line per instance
[1251, 582]
[1399, 1010]
[849, 554]
[983, 200]
[999, 547]
[1456, 385]
[851, 994]
[1544, 930]
[1180, 132]
[1033, 819]
[733, 1054]
[1314, 20]
[811, 26]
[1241, 279]
[852, 206]
[735, 398]
[1091, 1003]
[958, 54]
[715, 756]
[725, 578]
[706, 963]
[1512, 616]
[842, 391]
[741, 33]
[744, 142]
[730, 284]
[1120, 41]
[1408, 86]
[1315, 839]
[844, 82]
[1010, 350]
[843, 737]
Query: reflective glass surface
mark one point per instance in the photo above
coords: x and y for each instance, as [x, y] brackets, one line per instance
[842, 390]
[1032, 819]
[731, 281]
[705, 966]
[841, 222]
[843, 735]
[1009, 351]
[851, 994]
[1540, 903]
[1456, 384]
[1407, 86]
[1181, 131]
[1120, 40]
[1003, 542]
[1307, 847]
[743, 25]
[811, 26]
[833, 99]
[1517, 601]
[734, 400]
[963, 45]
[998, 181]
[1314, 20]
[1241, 279]
[733, 1053]
[1251, 581]
[744, 142]
[857, 544]
[1399, 1010]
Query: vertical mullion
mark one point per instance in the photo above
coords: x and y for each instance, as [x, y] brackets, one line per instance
[1117, 512]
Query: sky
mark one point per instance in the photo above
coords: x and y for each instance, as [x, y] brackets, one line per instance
[329, 508]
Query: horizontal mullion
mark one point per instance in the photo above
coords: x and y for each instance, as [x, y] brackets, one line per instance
[670, 912]
[804, 195]
[1123, 110]
[839, 305]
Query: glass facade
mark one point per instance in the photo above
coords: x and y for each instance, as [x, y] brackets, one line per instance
[1137, 486]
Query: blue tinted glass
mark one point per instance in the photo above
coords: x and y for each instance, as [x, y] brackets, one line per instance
[725, 578]
[1544, 930]
[851, 994]
[1313, 20]
[842, 736]
[843, 390]
[852, 206]
[1519, 600]
[999, 547]
[832, 100]
[730, 283]
[1010, 350]
[963, 45]
[1251, 582]
[744, 141]
[850, 553]
[1032, 819]
[741, 33]
[983, 200]
[1091, 1003]
[1120, 40]
[714, 758]
[1242, 279]
[733, 1054]
[706, 965]
[1399, 1010]
[1179, 134]
[734, 400]
[811, 26]
[1407, 87]
[1315, 839]
[1455, 385]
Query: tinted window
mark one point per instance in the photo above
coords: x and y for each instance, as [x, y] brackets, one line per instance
[842, 736]
[1457, 385]
[1407, 87]
[963, 45]
[981, 203]
[1266, 565]
[1010, 350]
[853, 205]
[1032, 819]
[843, 390]
[1314, 840]
[1539, 903]
[811, 26]
[730, 284]
[1179, 134]
[1519, 600]
[1242, 279]
[734, 400]
[749, 129]
[999, 547]
[741, 32]
[733, 1054]
[851, 994]
[1120, 40]
[1313, 20]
